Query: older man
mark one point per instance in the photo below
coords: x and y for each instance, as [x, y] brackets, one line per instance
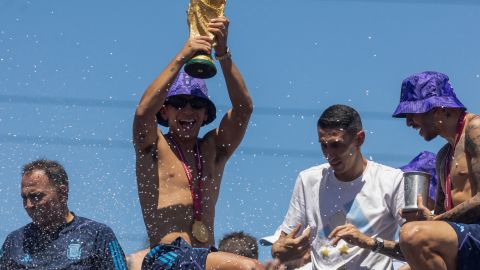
[57, 238]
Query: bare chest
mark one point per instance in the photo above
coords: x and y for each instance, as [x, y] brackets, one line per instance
[459, 176]
[180, 180]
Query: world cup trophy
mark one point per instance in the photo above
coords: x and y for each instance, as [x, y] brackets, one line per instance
[200, 12]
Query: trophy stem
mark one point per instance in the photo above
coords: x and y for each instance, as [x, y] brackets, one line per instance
[201, 66]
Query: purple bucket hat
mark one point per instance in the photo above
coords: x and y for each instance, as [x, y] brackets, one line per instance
[187, 85]
[424, 162]
[424, 91]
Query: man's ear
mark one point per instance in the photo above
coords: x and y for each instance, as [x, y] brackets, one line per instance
[360, 138]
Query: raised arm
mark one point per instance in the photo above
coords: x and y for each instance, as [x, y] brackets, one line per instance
[469, 211]
[234, 124]
[144, 123]
[146, 135]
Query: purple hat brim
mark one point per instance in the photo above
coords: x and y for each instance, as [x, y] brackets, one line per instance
[425, 105]
[211, 114]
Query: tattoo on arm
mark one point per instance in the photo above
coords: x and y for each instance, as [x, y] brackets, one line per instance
[469, 211]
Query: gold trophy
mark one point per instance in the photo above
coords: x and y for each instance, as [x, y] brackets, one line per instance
[200, 12]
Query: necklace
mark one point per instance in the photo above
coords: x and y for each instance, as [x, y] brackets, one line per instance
[199, 230]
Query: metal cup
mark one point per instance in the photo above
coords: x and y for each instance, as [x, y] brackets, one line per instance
[415, 183]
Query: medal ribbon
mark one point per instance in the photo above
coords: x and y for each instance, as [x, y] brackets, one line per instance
[196, 193]
[448, 181]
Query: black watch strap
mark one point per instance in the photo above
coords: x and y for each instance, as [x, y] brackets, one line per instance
[379, 244]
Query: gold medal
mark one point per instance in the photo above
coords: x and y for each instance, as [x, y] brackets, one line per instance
[199, 231]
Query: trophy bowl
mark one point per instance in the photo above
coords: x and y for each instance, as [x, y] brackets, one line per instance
[415, 183]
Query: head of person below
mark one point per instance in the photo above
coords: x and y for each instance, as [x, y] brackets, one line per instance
[346, 197]
[449, 238]
[239, 243]
[178, 173]
[54, 239]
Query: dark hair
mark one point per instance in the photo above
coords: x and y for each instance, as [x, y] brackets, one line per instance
[54, 171]
[341, 117]
[239, 243]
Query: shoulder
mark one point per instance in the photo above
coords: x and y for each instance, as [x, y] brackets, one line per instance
[17, 236]
[315, 173]
[314, 170]
[382, 170]
[473, 125]
[86, 224]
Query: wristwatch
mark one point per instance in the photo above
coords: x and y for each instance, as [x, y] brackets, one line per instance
[227, 55]
[378, 245]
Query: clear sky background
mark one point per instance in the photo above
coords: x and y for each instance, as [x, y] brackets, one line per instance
[72, 72]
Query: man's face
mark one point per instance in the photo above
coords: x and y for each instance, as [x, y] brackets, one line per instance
[425, 123]
[340, 148]
[42, 201]
[185, 114]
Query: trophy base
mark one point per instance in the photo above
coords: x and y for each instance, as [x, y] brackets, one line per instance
[201, 66]
[410, 209]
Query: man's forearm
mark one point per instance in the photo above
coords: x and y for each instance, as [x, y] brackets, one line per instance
[237, 89]
[392, 250]
[466, 212]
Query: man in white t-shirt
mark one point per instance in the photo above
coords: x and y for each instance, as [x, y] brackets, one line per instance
[356, 198]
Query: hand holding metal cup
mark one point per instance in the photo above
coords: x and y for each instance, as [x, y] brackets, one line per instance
[415, 183]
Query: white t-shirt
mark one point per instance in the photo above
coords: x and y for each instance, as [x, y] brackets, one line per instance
[370, 202]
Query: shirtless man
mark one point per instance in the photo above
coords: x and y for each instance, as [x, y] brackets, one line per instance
[450, 239]
[179, 174]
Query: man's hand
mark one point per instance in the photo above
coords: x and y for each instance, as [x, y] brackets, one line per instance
[350, 234]
[195, 45]
[219, 28]
[422, 214]
[288, 247]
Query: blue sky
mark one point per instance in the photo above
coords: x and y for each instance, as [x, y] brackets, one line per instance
[72, 72]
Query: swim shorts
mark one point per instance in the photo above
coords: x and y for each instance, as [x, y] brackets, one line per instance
[178, 255]
[468, 245]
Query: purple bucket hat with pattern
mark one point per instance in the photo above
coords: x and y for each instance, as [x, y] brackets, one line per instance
[424, 162]
[424, 91]
[187, 85]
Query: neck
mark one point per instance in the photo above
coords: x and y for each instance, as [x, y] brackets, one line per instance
[450, 124]
[55, 225]
[184, 143]
[355, 172]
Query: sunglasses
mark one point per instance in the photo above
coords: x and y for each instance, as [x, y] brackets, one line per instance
[180, 102]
